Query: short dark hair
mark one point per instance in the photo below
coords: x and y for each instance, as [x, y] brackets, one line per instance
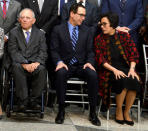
[74, 7]
[112, 17]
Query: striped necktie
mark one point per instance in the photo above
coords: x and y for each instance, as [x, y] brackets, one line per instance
[28, 36]
[123, 2]
[74, 39]
[4, 9]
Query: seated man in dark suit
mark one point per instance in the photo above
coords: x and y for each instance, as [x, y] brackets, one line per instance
[72, 53]
[28, 51]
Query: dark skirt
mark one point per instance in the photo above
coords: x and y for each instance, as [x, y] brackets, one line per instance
[128, 82]
[119, 63]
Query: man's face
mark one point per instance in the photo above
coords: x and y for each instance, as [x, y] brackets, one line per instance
[78, 17]
[26, 19]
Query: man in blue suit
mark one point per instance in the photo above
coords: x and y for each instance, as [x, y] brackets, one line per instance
[130, 14]
[72, 53]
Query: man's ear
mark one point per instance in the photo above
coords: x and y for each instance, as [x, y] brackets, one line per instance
[34, 20]
[18, 20]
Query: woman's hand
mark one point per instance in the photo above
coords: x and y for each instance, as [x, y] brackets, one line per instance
[133, 74]
[118, 74]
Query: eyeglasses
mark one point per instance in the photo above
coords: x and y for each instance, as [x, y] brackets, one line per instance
[27, 18]
[103, 24]
[81, 15]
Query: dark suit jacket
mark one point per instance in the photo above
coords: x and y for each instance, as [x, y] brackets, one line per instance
[22, 52]
[61, 46]
[11, 16]
[46, 18]
[95, 2]
[92, 16]
[131, 16]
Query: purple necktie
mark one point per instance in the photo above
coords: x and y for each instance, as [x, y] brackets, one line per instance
[28, 36]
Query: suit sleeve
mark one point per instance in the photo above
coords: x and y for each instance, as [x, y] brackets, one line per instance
[131, 49]
[42, 54]
[51, 22]
[99, 50]
[105, 6]
[96, 16]
[55, 46]
[90, 50]
[13, 50]
[139, 14]
[16, 23]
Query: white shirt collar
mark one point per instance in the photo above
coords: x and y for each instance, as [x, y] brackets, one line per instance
[84, 1]
[42, 0]
[24, 31]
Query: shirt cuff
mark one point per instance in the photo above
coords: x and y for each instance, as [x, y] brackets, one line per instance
[59, 62]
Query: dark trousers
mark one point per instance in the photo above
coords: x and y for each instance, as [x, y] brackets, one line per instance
[37, 79]
[89, 75]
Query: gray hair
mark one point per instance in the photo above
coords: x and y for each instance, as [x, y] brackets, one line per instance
[33, 15]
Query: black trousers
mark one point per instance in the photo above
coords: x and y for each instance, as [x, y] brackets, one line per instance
[37, 79]
[89, 75]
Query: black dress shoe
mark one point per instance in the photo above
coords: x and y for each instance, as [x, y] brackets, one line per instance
[119, 121]
[131, 123]
[94, 119]
[60, 117]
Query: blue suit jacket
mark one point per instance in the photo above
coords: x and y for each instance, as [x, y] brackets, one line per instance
[131, 16]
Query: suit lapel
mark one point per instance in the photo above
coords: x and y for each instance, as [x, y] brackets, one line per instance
[21, 36]
[43, 7]
[32, 35]
[67, 36]
[126, 4]
[35, 5]
[87, 6]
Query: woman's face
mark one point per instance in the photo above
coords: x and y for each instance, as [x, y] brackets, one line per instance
[105, 26]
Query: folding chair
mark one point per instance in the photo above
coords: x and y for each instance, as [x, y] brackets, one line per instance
[145, 51]
[77, 92]
[135, 105]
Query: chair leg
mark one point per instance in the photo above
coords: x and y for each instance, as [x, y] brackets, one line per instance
[139, 112]
[82, 92]
[99, 109]
[108, 114]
